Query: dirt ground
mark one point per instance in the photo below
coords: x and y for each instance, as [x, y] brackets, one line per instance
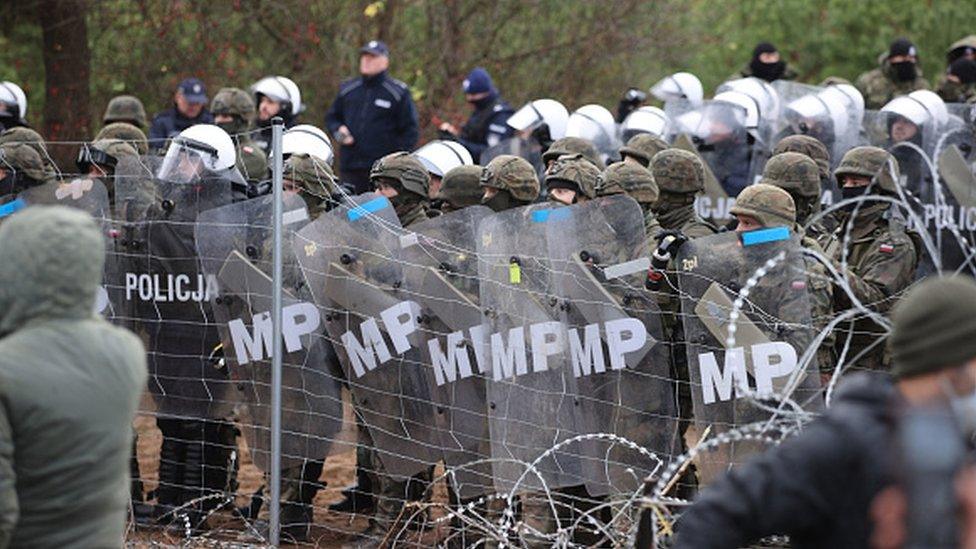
[330, 529]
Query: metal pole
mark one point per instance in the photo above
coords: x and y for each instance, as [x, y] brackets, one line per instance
[277, 169]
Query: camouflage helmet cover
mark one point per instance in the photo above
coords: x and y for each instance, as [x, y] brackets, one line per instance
[27, 136]
[793, 172]
[405, 169]
[677, 171]
[233, 102]
[810, 146]
[513, 174]
[573, 145]
[770, 206]
[23, 158]
[643, 147]
[125, 108]
[871, 162]
[631, 179]
[461, 187]
[575, 169]
[312, 174]
[125, 132]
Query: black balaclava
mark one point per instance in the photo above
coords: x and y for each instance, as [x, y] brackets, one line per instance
[766, 71]
[905, 70]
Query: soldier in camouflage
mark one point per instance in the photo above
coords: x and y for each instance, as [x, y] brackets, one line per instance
[898, 75]
[799, 175]
[641, 148]
[98, 160]
[23, 134]
[956, 85]
[402, 179]
[125, 108]
[125, 132]
[572, 145]
[635, 181]
[313, 181]
[571, 179]
[811, 147]
[233, 110]
[460, 188]
[680, 177]
[20, 168]
[509, 182]
[872, 249]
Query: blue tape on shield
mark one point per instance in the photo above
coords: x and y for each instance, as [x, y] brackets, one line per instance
[12, 207]
[367, 208]
[765, 236]
[555, 214]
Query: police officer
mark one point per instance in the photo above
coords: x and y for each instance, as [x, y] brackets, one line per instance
[486, 127]
[898, 75]
[641, 148]
[571, 179]
[233, 112]
[125, 108]
[460, 188]
[125, 132]
[275, 96]
[189, 108]
[767, 64]
[13, 105]
[508, 182]
[877, 259]
[372, 116]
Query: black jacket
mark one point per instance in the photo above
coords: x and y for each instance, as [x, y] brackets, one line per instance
[817, 488]
[170, 123]
[381, 116]
[486, 126]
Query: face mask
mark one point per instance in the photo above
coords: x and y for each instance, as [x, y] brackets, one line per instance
[768, 71]
[500, 202]
[233, 127]
[904, 71]
[963, 408]
[853, 192]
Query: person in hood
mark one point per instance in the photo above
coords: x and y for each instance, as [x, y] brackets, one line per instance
[189, 109]
[766, 64]
[898, 74]
[823, 487]
[486, 127]
[70, 384]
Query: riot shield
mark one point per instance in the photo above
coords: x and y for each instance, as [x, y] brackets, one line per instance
[164, 292]
[235, 246]
[350, 257]
[528, 149]
[441, 275]
[531, 389]
[749, 333]
[619, 357]
[713, 204]
[82, 193]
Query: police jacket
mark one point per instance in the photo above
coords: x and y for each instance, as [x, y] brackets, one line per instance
[170, 123]
[381, 116]
[487, 126]
[817, 488]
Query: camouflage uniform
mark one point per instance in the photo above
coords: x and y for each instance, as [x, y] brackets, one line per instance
[125, 108]
[317, 183]
[881, 257]
[515, 179]
[573, 171]
[411, 180]
[572, 145]
[237, 103]
[125, 132]
[799, 175]
[680, 176]
[879, 86]
[642, 148]
[951, 92]
[23, 134]
[24, 169]
[460, 188]
[771, 203]
[638, 183]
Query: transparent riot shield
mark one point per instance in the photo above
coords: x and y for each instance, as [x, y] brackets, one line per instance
[164, 292]
[531, 388]
[350, 257]
[235, 245]
[528, 149]
[713, 204]
[441, 275]
[82, 193]
[749, 333]
[616, 342]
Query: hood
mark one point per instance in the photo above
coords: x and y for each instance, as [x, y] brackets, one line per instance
[865, 390]
[51, 261]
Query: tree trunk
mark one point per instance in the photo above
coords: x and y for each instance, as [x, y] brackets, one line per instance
[67, 68]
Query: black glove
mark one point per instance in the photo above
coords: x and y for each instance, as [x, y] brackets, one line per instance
[446, 135]
[629, 103]
[669, 242]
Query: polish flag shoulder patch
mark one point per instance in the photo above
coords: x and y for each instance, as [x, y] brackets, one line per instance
[886, 248]
[799, 284]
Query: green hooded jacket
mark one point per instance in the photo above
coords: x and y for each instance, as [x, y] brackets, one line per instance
[70, 384]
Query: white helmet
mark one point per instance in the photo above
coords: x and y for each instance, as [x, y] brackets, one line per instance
[650, 120]
[680, 85]
[920, 107]
[746, 103]
[764, 95]
[198, 148]
[307, 139]
[541, 111]
[842, 104]
[13, 96]
[442, 156]
[281, 89]
[591, 122]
